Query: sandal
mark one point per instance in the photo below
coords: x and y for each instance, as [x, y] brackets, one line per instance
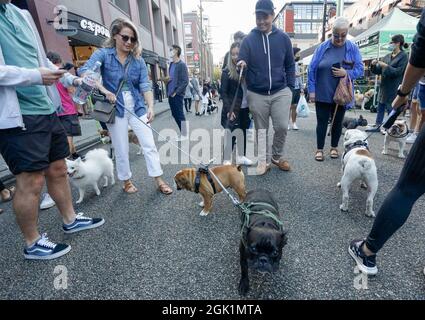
[165, 189]
[129, 187]
[334, 153]
[11, 194]
[319, 156]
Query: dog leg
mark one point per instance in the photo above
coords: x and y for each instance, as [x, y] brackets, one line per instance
[201, 204]
[401, 145]
[81, 198]
[373, 188]
[207, 207]
[244, 282]
[240, 190]
[345, 187]
[111, 175]
[386, 143]
[106, 182]
[96, 189]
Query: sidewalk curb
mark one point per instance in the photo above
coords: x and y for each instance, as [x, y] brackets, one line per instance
[8, 178]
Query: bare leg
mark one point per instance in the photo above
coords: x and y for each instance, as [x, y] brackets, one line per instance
[294, 113]
[71, 145]
[60, 191]
[26, 202]
[414, 114]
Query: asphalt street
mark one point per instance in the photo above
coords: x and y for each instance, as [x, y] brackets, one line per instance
[158, 247]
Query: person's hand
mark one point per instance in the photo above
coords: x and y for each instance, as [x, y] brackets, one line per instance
[312, 97]
[241, 64]
[339, 73]
[400, 101]
[231, 116]
[78, 82]
[173, 95]
[50, 77]
[112, 98]
[382, 64]
[374, 62]
[151, 115]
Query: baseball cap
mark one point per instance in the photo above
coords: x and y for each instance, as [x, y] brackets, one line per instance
[264, 6]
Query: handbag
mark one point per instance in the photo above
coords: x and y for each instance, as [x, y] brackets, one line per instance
[103, 110]
[344, 92]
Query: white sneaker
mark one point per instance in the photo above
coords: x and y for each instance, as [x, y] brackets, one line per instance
[295, 127]
[412, 138]
[47, 202]
[182, 138]
[289, 127]
[244, 161]
[227, 163]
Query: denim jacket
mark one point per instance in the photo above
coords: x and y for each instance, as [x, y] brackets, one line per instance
[113, 72]
[352, 54]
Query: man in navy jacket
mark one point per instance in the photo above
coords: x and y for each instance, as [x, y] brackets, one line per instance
[267, 55]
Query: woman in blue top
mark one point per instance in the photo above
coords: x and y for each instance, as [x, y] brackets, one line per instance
[331, 61]
[123, 52]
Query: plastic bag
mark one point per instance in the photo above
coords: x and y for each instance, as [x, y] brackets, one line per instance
[303, 111]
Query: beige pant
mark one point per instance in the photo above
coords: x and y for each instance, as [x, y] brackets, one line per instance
[276, 107]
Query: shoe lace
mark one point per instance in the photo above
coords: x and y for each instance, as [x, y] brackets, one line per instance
[45, 242]
[80, 216]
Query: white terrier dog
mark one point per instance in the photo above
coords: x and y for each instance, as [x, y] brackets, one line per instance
[86, 173]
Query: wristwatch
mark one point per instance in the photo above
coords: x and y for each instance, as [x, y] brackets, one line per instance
[402, 94]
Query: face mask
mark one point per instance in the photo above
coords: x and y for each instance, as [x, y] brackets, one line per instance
[391, 47]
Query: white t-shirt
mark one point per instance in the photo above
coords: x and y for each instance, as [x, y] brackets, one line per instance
[205, 98]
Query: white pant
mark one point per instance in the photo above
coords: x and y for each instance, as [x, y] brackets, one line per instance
[119, 136]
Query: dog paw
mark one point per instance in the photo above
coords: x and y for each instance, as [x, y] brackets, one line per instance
[79, 201]
[343, 208]
[243, 287]
[402, 156]
[201, 204]
[370, 214]
[203, 213]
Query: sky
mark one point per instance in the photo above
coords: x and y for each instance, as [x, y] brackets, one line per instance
[226, 18]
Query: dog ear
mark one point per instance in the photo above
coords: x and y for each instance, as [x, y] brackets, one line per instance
[239, 167]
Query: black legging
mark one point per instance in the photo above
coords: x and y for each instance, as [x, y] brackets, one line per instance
[188, 104]
[397, 206]
[244, 123]
[324, 111]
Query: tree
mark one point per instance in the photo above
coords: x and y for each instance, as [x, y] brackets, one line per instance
[217, 73]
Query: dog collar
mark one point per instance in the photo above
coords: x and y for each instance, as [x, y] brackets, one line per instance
[357, 144]
[198, 179]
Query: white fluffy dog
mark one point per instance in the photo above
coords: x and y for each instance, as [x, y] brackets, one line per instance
[86, 173]
[358, 164]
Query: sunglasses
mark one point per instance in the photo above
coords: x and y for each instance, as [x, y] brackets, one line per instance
[126, 38]
[340, 36]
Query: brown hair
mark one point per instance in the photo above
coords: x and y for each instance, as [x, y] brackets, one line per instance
[233, 72]
[116, 26]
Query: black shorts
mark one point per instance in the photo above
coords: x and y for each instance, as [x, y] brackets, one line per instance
[71, 124]
[42, 142]
[296, 95]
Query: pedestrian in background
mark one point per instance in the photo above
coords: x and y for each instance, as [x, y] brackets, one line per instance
[391, 69]
[176, 89]
[121, 61]
[332, 60]
[296, 94]
[235, 113]
[33, 142]
[196, 92]
[417, 108]
[267, 54]
[188, 97]
[410, 186]
[238, 37]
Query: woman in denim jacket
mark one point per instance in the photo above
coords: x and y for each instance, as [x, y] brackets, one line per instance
[123, 51]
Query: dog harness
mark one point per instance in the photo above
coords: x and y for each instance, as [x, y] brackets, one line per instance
[357, 144]
[200, 172]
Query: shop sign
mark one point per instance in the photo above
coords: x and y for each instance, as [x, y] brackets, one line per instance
[95, 28]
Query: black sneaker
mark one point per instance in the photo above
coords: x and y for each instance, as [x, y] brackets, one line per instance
[366, 264]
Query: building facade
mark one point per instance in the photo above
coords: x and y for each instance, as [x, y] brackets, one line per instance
[303, 20]
[76, 28]
[198, 53]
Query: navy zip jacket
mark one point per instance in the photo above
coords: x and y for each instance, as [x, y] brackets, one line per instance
[418, 49]
[270, 60]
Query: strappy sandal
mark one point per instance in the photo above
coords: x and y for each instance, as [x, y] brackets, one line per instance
[129, 188]
[11, 194]
[334, 153]
[165, 189]
[319, 156]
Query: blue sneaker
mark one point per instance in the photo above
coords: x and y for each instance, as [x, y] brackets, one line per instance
[82, 223]
[43, 249]
[366, 264]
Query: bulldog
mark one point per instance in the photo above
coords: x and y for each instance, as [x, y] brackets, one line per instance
[352, 123]
[200, 181]
[358, 164]
[263, 237]
[397, 133]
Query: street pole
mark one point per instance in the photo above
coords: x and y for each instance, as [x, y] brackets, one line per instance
[325, 5]
[340, 8]
[201, 46]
